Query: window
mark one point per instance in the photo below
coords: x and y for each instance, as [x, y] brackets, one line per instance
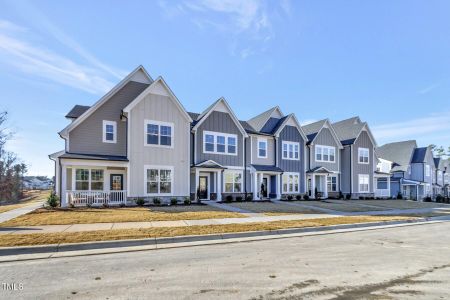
[363, 183]
[262, 148]
[427, 170]
[158, 180]
[109, 131]
[363, 155]
[291, 150]
[325, 153]
[291, 182]
[332, 183]
[89, 179]
[233, 182]
[158, 134]
[219, 143]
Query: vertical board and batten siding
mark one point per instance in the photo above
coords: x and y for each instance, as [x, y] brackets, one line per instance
[363, 141]
[417, 172]
[324, 138]
[429, 161]
[270, 160]
[223, 123]
[291, 134]
[87, 137]
[158, 108]
[345, 178]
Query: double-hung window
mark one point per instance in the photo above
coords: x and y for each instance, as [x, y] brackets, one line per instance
[325, 153]
[363, 155]
[158, 134]
[233, 181]
[363, 183]
[427, 170]
[332, 183]
[290, 182]
[262, 148]
[158, 180]
[109, 131]
[219, 143]
[89, 179]
[291, 150]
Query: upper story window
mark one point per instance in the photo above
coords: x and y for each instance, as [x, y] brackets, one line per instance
[262, 148]
[109, 131]
[158, 134]
[291, 150]
[427, 170]
[219, 143]
[325, 153]
[363, 155]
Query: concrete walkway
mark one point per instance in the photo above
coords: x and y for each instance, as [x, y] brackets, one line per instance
[231, 208]
[8, 215]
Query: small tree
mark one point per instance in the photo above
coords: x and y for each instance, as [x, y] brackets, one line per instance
[53, 199]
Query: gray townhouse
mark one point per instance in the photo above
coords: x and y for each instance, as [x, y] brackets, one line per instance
[413, 168]
[441, 177]
[323, 159]
[358, 161]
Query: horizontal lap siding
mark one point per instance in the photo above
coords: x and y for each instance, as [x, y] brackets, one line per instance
[325, 138]
[87, 137]
[363, 141]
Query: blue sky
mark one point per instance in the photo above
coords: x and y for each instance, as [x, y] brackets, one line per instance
[386, 61]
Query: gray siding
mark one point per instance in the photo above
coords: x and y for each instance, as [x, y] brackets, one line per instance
[346, 170]
[220, 122]
[291, 133]
[363, 141]
[87, 137]
[417, 171]
[429, 161]
[270, 160]
[324, 138]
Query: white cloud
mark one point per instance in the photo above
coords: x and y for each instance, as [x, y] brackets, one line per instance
[436, 125]
[429, 88]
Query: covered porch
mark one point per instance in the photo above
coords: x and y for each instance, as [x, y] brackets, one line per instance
[321, 182]
[382, 184]
[206, 181]
[265, 182]
[411, 189]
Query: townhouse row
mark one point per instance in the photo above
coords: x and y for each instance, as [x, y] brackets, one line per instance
[139, 141]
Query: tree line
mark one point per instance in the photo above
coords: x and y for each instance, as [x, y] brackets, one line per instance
[441, 151]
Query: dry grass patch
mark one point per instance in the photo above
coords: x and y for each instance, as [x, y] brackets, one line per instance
[37, 196]
[116, 215]
[121, 234]
[273, 209]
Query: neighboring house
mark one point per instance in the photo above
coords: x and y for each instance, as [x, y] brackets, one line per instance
[438, 182]
[382, 178]
[412, 168]
[445, 167]
[37, 183]
[275, 155]
[133, 142]
[323, 159]
[358, 161]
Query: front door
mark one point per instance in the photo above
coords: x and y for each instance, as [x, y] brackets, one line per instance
[264, 187]
[203, 187]
[116, 182]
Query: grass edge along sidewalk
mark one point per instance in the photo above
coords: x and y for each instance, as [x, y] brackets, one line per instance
[11, 240]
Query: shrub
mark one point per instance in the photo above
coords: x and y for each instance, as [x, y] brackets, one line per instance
[52, 199]
[122, 205]
[290, 197]
[341, 196]
[298, 197]
[139, 201]
[88, 205]
[239, 198]
[306, 197]
[348, 197]
[71, 205]
[173, 201]
[249, 197]
[439, 198]
[399, 196]
[105, 205]
[187, 201]
[427, 199]
[229, 198]
[156, 201]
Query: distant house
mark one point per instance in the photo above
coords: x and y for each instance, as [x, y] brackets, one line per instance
[37, 183]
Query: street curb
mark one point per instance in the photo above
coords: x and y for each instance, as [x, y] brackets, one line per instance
[9, 254]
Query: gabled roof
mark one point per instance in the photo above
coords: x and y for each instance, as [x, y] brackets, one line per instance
[204, 115]
[259, 121]
[420, 155]
[283, 123]
[321, 170]
[138, 74]
[77, 111]
[209, 164]
[151, 89]
[400, 153]
[266, 168]
[350, 129]
[312, 131]
[437, 162]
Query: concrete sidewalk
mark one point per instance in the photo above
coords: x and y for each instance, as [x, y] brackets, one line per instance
[8, 215]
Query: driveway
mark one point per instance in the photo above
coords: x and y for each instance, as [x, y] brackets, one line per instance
[399, 263]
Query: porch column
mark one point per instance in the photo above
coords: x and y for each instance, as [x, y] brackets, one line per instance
[255, 186]
[219, 185]
[389, 187]
[313, 185]
[325, 185]
[278, 186]
[64, 200]
[197, 175]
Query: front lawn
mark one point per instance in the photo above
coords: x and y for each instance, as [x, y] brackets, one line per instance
[36, 196]
[273, 209]
[10, 240]
[114, 215]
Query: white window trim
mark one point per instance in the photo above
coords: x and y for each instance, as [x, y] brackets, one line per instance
[325, 147]
[359, 183]
[262, 140]
[337, 185]
[74, 178]
[232, 172]
[159, 168]
[226, 135]
[293, 191]
[368, 155]
[114, 124]
[159, 123]
[293, 153]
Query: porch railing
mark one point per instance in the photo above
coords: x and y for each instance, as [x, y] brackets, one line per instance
[382, 193]
[83, 198]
